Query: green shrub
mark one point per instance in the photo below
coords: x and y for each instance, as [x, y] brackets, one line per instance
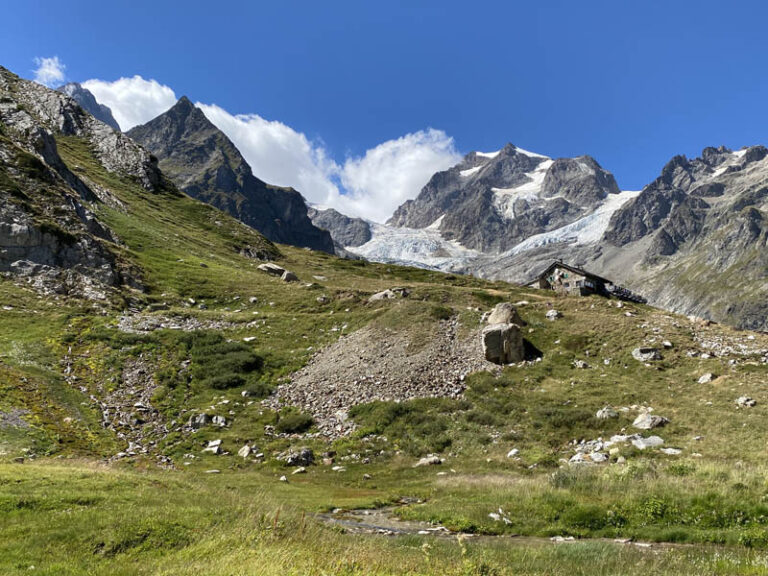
[294, 423]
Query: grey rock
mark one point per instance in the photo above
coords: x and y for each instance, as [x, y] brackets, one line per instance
[606, 413]
[289, 276]
[746, 402]
[505, 313]
[345, 231]
[645, 443]
[245, 451]
[553, 315]
[706, 378]
[272, 269]
[213, 447]
[199, 421]
[503, 343]
[646, 354]
[430, 460]
[647, 421]
[303, 457]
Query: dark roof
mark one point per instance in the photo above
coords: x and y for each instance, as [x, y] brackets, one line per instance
[575, 270]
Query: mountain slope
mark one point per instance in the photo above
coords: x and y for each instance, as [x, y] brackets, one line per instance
[692, 241]
[205, 164]
[695, 239]
[490, 202]
[88, 102]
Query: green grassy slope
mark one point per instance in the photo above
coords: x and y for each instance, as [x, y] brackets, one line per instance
[66, 512]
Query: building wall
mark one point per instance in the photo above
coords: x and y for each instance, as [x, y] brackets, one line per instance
[566, 282]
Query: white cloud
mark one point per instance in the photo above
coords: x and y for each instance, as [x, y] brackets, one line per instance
[278, 154]
[134, 100]
[371, 186]
[49, 71]
[393, 172]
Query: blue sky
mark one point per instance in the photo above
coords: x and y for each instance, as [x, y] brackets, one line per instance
[630, 83]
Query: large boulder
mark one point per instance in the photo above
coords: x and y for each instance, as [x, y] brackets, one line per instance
[272, 269]
[647, 421]
[503, 343]
[304, 457]
[505, 313]
[646, 354]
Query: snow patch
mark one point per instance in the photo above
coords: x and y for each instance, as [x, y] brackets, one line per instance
[490, 155]
[504, 198]
[586, 230]
[470, 171]
[738, 155]
[436, 224]
[529, 153]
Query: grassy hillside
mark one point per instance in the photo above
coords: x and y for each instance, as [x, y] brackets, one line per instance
[221, 327]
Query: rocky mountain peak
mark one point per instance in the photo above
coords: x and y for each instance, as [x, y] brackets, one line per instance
[206, 164]
[87, 102]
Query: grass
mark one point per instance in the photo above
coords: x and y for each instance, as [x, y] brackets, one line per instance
[78, 518]
[65, 512]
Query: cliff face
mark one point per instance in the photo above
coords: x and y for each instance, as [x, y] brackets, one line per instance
[205, 164]
[49, 234]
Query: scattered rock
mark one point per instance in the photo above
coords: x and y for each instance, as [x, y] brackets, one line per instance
[650, 442]
[289, 276]
[272, 269]
[606, 413]
[746, 402]
[431, 460]
[299, 470]
[245, 451]
[512, 453]
[503, 343]
[647, 421]
[304, 457]
[390, 294]
[553, 315]
[671, 451]
[646, 354]
[580, 364]
[283, 479]
[214, 447]
[706, 378]
[667, 344]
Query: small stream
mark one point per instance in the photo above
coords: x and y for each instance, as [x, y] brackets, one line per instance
[384, 522]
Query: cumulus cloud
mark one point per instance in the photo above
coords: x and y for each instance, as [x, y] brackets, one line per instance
[393, 172]
[371, 186]
[278, 154]
[133, 100]
[49, 71]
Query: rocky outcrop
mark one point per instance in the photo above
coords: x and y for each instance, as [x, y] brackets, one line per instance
[345, 231]
[204, 163]
[87, 102]
[49, 236]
